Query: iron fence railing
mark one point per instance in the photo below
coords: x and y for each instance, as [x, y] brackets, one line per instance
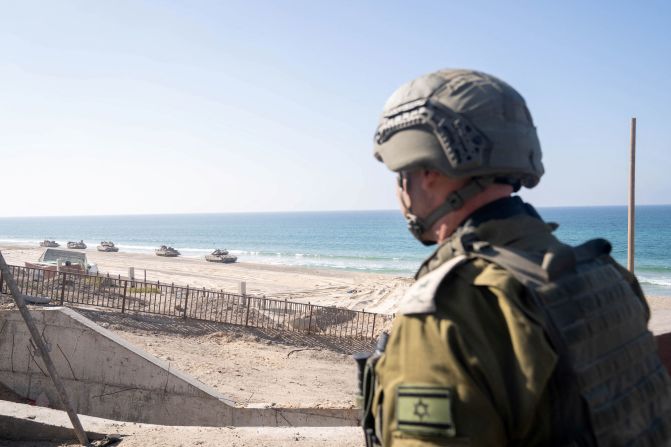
[129, 295]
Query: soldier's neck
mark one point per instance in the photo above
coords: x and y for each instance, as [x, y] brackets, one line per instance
[448, 224]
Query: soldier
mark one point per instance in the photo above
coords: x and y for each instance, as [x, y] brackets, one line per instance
[508, 337]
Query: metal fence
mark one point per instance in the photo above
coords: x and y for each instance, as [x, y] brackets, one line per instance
[202, 304]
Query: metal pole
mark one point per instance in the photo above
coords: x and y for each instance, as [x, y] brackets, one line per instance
[249, 304]
[372, 332]
[310, 320]
[44, 353]
[123, 302]
[62, 288]
[186, 301]
[632, 198]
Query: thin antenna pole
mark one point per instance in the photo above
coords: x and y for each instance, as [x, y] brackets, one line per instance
[44, 352]
[632, 198]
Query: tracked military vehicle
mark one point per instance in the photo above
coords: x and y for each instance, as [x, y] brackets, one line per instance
[77, 245]
[166, 251]
[221, 256]
[108, 246]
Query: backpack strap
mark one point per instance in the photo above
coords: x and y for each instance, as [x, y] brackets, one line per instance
[523, 267]
[529, 269]
[420, 297]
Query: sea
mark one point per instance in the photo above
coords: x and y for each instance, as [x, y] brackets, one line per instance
[365, 241]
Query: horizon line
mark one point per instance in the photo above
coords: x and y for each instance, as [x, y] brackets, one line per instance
[212, 213]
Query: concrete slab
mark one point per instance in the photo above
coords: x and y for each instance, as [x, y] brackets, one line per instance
[108, 377]
[21, 422]
[40, 423]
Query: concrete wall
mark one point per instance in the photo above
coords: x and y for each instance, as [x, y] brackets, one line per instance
[106, 376]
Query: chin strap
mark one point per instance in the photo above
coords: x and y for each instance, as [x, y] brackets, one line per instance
[418, 226]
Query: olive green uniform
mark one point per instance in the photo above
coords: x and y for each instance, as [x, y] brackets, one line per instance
[508, 337]
[482, 345]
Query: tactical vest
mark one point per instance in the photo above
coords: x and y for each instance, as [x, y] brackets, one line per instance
[609, 387]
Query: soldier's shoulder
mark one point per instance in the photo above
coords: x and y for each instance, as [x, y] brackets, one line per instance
[490, 274]
[456, 276]
[420, 297]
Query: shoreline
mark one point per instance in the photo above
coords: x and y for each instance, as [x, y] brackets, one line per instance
[287, 260]
[374, 292]
[356, 290]
[287, 268]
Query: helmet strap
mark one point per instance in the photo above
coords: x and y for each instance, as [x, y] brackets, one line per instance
[418, 226]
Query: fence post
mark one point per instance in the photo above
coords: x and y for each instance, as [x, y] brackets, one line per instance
[131, 275]
[186, 301]
[63, 288]
[2, 281]
[248, 303]
[310, 320]
[123, 301]
[243, 292]
[372, 332]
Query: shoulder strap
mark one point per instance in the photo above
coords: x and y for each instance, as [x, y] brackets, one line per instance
[520, 265]
[529, 269]
[419, 299]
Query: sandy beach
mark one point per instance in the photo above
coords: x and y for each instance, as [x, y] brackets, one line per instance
[352, 290]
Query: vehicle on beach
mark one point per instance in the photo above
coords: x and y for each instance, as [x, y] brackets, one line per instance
[53, 261]
[221, 256]
[49, 244]
[107, 246]
[77, 245]
[166, 251]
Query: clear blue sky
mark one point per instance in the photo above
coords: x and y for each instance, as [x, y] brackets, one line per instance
[114, 107]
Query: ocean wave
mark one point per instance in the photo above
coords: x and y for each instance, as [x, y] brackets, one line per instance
[334, 256]
[138, 248]
[338, 261]
[664, 282]
[21, 241]
[642, 269]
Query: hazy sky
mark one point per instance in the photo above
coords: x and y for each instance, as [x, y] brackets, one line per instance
[115, 107]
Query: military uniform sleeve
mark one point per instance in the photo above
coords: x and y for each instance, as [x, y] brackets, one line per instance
[473, 373]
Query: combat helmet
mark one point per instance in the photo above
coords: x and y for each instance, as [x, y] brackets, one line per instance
[463, 124]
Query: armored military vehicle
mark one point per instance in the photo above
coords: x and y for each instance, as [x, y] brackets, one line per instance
[221, 256]
[107, 246]
[166, 251]
[77, 245]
